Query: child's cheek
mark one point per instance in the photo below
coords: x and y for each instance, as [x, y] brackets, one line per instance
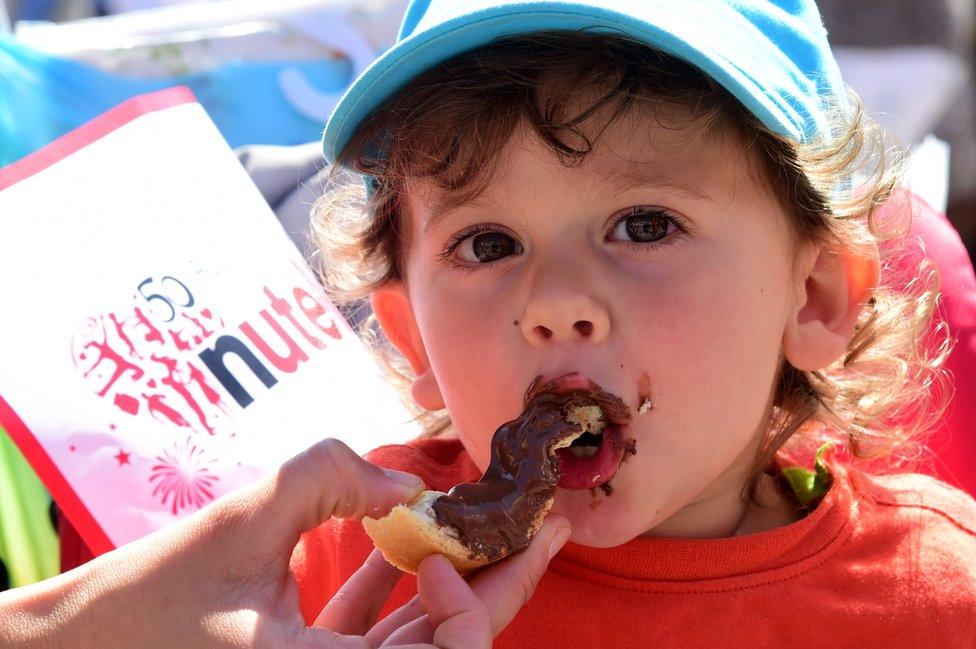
[719, 361]
[480, 378]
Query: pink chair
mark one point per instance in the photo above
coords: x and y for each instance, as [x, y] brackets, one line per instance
[953, 443]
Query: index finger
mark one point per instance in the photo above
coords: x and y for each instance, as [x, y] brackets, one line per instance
[327, 480]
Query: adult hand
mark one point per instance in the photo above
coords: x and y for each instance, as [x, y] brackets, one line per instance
[220, 578]
[447, 610]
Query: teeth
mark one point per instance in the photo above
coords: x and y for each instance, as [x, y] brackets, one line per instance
[584, 451]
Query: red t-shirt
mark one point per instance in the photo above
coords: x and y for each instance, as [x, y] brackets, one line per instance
[881, 561]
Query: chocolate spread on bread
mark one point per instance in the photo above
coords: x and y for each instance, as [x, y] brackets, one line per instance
[493, 516]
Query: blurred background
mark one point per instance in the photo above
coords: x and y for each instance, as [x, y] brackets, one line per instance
[269, 73]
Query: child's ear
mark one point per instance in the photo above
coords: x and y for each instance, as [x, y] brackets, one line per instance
[391, 304]
[832, 287]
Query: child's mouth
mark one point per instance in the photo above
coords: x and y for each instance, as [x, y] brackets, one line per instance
[593, 458]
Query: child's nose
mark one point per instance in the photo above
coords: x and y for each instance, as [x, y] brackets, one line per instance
[555, 318]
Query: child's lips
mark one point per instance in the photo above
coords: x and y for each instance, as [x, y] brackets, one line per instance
[614, 410]
[559, 384]
[578, 472]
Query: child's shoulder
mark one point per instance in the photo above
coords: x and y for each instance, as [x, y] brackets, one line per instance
[441, 462]
[920, 500]
[917, 535]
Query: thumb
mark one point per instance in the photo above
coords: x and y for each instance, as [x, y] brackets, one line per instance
[331, 480]
[505, 587]
[456, 615]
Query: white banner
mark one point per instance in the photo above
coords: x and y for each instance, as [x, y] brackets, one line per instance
[163, 341]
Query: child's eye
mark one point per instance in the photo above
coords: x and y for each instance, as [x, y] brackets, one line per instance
[643, 225]
[482, 245]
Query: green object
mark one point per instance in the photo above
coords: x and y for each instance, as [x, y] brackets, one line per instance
[808, 486]
[28, 545]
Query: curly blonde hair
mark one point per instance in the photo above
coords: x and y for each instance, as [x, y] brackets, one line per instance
[881, 397]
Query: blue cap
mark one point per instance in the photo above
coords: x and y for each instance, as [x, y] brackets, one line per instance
[772, 55]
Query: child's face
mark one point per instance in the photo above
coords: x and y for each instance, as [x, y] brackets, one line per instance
[692, 314]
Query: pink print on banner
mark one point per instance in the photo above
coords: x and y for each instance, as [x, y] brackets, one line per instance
[183, 474]
[141, 360]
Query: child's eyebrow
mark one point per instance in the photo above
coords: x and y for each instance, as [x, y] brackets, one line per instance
[623, 180]
[442, 209]
[615, 182]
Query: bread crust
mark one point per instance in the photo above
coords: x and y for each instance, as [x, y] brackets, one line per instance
[409, 533]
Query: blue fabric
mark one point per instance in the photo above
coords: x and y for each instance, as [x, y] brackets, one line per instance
[33, 10]
[772, 55]
[43, 97]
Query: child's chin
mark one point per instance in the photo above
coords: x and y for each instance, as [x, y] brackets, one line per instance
[597, 520]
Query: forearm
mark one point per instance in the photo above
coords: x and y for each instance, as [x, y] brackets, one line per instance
[57, 613]
[217, 579]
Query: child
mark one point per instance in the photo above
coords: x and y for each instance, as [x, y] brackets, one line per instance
[674, 200]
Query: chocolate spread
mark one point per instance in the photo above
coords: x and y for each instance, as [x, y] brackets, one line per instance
[494, 515]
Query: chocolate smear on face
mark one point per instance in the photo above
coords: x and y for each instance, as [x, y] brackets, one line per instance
[493, 516]
[630, 447]
[644, 403]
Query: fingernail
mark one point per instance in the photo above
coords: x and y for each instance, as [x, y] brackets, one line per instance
[558, 540]
[406, 479]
